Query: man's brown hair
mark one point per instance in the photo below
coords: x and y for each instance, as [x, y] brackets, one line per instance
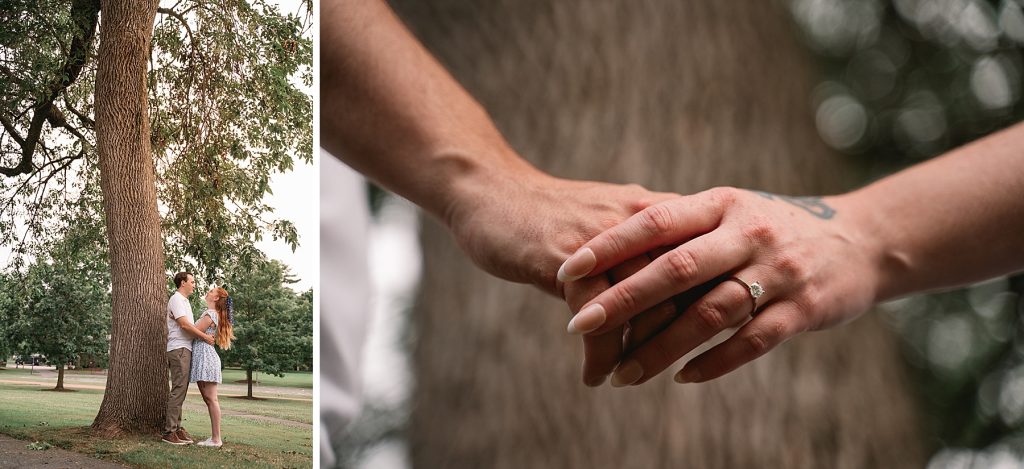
[179, 278]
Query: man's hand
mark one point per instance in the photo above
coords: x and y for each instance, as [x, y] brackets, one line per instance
[521, 227]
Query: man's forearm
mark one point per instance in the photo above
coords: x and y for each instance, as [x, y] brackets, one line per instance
[392, 112]
[950, 221]
[193, 330]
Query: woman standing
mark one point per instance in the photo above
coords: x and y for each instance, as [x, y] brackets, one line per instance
[216, 321]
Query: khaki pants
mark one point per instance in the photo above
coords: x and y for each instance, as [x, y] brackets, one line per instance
[179, 363]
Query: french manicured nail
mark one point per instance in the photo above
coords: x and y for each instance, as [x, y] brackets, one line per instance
[588, 319]
[688, 376]
[577, 265]
[627, 373]
[596, 381]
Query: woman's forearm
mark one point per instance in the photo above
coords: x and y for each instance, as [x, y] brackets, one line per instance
[393, 113]
[956, 219]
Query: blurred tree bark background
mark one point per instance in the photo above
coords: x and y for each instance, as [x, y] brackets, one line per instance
[677, 96]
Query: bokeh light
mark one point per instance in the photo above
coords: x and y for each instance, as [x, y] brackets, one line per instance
[906, 80]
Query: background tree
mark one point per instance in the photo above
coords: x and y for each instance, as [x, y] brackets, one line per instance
[271, 320]
[302, 322]
[8, 312]
[65, 307]
[224, 85]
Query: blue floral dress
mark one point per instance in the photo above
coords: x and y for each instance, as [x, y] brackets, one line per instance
[205, 361]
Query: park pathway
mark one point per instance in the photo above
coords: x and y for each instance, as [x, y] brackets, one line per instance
[15, 453]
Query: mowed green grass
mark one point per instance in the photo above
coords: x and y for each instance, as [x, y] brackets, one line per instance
[293, 379]
[257, 440]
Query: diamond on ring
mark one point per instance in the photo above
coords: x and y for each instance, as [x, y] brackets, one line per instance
[756, 290]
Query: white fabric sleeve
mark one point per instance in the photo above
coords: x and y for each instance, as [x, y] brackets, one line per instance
[180, 308]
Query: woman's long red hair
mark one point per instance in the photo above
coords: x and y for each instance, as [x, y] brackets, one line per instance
[224, 332]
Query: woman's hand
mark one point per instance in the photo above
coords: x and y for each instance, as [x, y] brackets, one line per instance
[815, 266]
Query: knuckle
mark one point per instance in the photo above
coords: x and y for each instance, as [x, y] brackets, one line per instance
[807, 301]
[681, 265]
[788, 266]
[625, 298]
[710, 316]
[724, 195]
[756, 344]
[657, 219]
[760, 233]
[612, 240]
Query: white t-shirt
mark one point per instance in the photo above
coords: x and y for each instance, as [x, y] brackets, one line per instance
[178, 307]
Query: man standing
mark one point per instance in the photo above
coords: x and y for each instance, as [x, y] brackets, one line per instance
[180, 330]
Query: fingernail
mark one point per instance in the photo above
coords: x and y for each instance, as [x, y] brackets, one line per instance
[588, 319]
[596, 381]
[691, 375]
[627, 373]
[577, 265]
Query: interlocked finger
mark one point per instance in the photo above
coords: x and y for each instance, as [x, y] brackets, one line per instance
[727, 305]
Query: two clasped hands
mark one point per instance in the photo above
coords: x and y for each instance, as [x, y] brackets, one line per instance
[647, 274]
[651, 276]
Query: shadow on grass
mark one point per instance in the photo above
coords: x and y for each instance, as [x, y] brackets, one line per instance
[247, 398]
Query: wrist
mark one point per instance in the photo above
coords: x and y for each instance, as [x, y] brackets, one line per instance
[888, 266]
[475, 183]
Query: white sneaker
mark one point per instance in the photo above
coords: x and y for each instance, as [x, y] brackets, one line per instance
[210, 443]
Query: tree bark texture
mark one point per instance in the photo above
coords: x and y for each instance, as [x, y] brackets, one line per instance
[677, 96]
[136, 390]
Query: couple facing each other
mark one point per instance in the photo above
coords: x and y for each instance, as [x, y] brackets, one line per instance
[191, 356]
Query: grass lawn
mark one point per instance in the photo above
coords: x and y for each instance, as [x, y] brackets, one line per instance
[26, 372]
[293, 379]
[273, 433]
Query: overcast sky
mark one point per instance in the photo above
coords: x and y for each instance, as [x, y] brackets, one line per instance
[295, 198]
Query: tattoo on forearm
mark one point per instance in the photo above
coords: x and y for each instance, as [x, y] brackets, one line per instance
[813, 205]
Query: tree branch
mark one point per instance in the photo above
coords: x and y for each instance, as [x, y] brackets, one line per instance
[85, 15]
[86, 120]
[188, 30]
[9, 127]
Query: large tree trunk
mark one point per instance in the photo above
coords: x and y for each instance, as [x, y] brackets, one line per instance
[678, 96]
[60, 378]
[136, 393]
